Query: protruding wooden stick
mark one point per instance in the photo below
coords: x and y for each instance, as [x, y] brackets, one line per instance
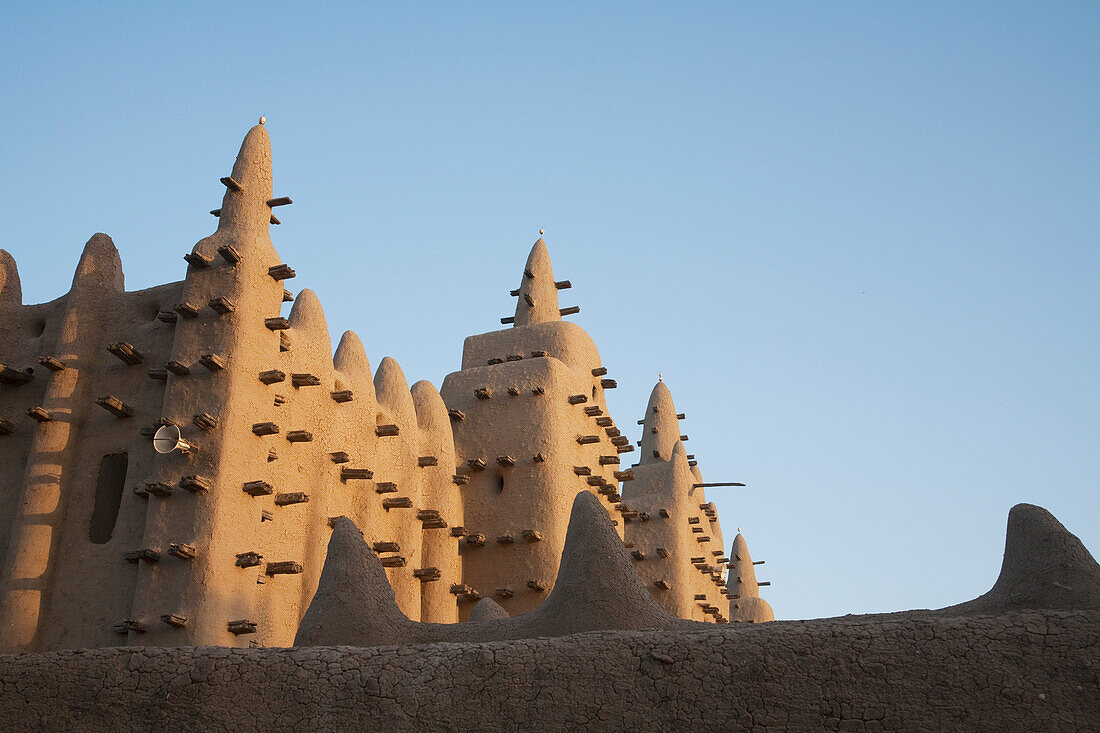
[231, 183]
[115, 406]
[292, 497]
[280, 272]
[258, 488]
[126, 352]
[272, 376]
[242, 626]
[726, 483]
[205, 421]
[197, 260]
[187, 310]
[222, 305]
[305, 380]
[571, 310]
[52, 363]
[174, 619]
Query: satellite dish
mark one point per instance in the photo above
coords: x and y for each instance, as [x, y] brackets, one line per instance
[167, 439]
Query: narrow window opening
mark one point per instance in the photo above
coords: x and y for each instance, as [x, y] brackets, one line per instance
[500, 483]
[108, 496]
[593, 391]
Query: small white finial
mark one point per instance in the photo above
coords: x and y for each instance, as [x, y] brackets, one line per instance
[263, 120]
[541, 231]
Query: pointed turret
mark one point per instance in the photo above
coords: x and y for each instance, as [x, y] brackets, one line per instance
[538, 294]
[11, 293]
[661, 428]
[245, 202]
[745, 601]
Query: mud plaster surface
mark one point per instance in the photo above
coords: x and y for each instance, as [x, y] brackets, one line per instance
[1019, 671]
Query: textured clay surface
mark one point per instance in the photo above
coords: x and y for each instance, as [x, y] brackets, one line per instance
[464, 490]
[1014, 672]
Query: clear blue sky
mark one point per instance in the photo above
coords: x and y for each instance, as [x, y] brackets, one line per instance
[859, 239]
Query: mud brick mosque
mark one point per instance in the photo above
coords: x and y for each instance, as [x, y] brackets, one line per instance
[463, 493]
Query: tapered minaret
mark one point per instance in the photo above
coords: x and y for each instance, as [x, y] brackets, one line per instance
[744, 590]
[538, 293]
[531, 430]
[673, 532]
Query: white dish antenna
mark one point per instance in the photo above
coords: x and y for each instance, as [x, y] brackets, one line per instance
[168, 440]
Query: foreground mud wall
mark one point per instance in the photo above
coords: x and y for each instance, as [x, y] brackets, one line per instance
[1013, 672]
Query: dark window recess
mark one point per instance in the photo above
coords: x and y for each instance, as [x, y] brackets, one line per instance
[108, 495]
[500, 484]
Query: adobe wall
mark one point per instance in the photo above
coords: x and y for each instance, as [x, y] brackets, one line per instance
[193, 557]
[463, 494]
[531, 429]
[1025, 671]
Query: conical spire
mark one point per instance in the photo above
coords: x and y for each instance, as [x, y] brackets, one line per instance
[245, 200]
[11, 293]
[661, 428]
[538, 295]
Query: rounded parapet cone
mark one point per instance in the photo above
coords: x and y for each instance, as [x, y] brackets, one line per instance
[487, 610]
[11, 292]
[661, 428]
[247, 207]
[353, 366]
[100, 266]
[744, 590]
[431, 412]
[742, 574]
[538, 295]
[308, 317]
[392, 391]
